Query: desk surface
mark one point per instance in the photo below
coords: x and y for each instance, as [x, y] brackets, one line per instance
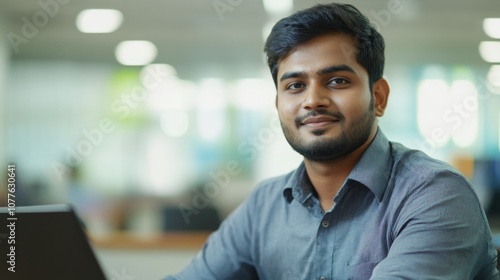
[170, 240]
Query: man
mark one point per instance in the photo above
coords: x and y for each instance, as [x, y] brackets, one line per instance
[359, 206]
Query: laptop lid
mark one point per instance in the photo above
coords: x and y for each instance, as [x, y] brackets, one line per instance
[45, 242]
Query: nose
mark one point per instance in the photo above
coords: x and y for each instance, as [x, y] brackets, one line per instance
[316, 97]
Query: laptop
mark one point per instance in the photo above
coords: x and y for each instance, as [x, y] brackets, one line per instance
[45, 242]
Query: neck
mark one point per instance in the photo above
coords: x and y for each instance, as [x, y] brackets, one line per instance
[327, 177]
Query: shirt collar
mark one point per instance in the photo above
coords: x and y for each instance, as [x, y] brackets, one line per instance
[374, 167]
[298, 185]
[372, 170]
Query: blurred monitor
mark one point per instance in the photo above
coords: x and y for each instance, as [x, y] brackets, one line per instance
[486, 181]
[45, 242]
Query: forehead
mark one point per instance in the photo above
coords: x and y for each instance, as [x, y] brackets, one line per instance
[323, 51]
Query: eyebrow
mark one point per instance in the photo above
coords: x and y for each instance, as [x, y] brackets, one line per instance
[327, 70]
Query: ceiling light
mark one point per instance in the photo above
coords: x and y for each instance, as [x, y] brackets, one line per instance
[278, 7]
[135, 52]
[99, 20]
[494, 75]
[491, 27]
[490, 51]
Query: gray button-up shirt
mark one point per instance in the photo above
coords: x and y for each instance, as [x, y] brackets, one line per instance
[399, 215]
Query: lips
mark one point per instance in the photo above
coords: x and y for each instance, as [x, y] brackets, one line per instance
[317, 120]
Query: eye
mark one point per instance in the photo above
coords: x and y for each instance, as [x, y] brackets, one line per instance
[295, 86]
[338, 81]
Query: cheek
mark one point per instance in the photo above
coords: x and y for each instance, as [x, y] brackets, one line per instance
[286, 109]
[354, 105]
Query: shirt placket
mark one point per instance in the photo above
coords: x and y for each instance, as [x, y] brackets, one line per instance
[324, 247]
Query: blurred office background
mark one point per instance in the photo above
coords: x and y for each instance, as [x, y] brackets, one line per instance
[158, 116]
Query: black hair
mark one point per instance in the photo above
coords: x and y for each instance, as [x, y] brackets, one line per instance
[310, 23]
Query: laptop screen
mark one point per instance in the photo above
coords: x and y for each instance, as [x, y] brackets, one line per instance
[45, 242]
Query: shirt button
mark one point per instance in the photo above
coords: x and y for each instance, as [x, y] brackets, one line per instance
[325, 224]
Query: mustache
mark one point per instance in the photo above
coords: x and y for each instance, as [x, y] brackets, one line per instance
[314, 113]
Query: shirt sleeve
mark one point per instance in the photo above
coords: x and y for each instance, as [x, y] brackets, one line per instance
[440, 233]
[227, 252]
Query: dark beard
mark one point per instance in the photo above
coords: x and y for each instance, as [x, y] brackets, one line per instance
[333, 149]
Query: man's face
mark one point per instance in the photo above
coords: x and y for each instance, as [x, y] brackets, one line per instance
[324, 99]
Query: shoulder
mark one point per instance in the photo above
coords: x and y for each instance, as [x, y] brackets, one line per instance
[422, 187]
[421, 182]
[420, 168]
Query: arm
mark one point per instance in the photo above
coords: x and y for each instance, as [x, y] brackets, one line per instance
[227, 252]
[441, 233]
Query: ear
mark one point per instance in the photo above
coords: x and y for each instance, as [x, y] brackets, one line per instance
[381, 96]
